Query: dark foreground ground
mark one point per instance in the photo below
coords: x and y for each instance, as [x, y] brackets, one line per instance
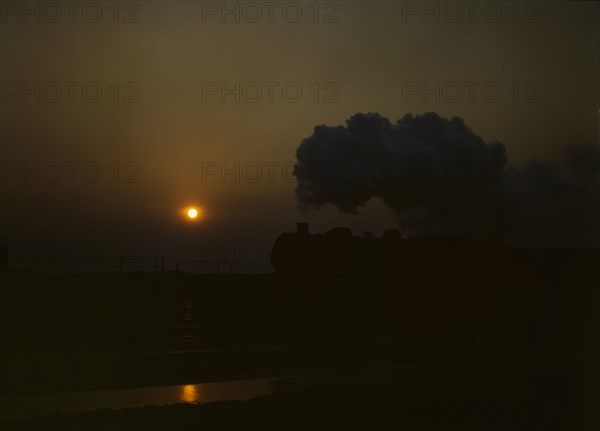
[493, 347]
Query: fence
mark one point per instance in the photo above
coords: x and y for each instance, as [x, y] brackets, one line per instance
[134, 264]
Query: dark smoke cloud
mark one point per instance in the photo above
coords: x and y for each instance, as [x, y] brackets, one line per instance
[435, 174]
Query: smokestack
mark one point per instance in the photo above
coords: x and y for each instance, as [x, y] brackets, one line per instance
[302, 228]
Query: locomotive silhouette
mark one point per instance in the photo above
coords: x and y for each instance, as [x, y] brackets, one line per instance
[338, 254]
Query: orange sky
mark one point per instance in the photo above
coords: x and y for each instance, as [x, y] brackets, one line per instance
[170, 136]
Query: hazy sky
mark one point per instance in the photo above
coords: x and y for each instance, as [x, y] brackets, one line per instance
[176, 134]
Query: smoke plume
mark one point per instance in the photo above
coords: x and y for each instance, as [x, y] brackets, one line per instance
[437, 175]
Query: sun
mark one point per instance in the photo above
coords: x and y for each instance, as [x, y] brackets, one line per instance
[192, 213]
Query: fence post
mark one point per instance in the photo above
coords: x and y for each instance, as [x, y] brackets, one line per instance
[3, 256]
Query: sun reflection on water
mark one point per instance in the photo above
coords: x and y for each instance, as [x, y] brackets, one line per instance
[189, 394]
